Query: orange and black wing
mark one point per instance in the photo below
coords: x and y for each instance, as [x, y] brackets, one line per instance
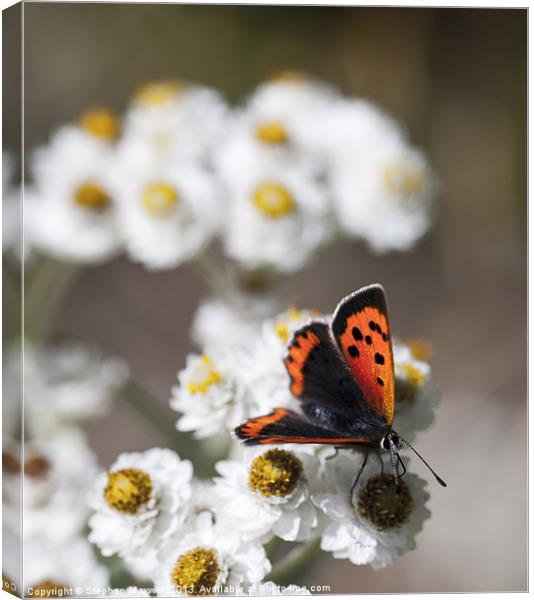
[284, 426]
[361, 329]
[319, 375]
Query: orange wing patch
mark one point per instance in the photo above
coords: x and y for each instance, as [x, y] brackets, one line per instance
[299, 350]
[254, 427]
[367, 349]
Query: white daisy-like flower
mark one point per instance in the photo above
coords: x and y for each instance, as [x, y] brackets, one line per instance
[268, 493]
[278, 125]
[11, 207]
[69, 211]
[179, 120]
[269, 588]
[276, 219]
[51, 486]
[416, 396]
[211, 558]
[68, 569]
[264, 371]
[382, 187]
[225, 323]
[168, 212]
[68, 384]
[210, 394]
[377, 522]
[140, 502]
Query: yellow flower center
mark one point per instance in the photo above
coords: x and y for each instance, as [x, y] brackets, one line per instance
[36, 466]
[101, 123]
[384, 503]
[273, 200]
[196, 572]
[421, 350]
[204, 377]
[272, 133]
[160, 198]
[7, 585]
[288, 76]
[10, 463]
[90, 195]
[282, 326]
[406, 388]
[128, 490]
[275, 473]
[402, 178]
[156, 93]
[48, 589]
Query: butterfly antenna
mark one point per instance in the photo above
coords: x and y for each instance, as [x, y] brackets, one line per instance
[438, 478]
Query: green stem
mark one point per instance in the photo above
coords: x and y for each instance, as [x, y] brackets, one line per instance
[294, 563]
[45, 288]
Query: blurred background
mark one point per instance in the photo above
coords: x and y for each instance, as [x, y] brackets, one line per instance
[457, 79]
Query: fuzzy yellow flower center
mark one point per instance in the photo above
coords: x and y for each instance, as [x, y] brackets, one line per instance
[402, 178]
[196, 572]
[406, 387]
[157, 93]
[48, 589]
[101, 123]
[90, 195]
[384, 503]
[160, 198]
[128, 490]
[420, 349]
[10, 463]
[273, 200]
[289, 76]
[282, 326]
[204, 376]
[275, 473]
[272, 133]
[37, 466]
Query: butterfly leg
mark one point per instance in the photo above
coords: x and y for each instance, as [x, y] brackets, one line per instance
[359, 474]
[337, 449]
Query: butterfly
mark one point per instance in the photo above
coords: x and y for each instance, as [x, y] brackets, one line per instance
[342, 372]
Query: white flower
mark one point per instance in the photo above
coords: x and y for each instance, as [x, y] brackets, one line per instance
[66, 569]
[167, 212]
[269, 493]
[69, 212]
[379, 522]
[141, 501]
[179, 120]
[416, 396]
[264, 370]
[209, 557]
[278, 125]
[382, 186]
[54, 489]
[276, 219]
[11, 207]
[209, 394]
[223, 324]
[68, 384]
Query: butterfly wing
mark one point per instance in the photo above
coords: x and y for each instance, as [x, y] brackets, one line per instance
[361, 329]
[284, 426]
[320, 375]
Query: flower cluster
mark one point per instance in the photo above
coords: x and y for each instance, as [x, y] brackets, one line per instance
[197, 537]
[294, 167]
[47, 484]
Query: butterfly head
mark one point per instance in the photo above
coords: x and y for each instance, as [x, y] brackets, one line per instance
[390, 442]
